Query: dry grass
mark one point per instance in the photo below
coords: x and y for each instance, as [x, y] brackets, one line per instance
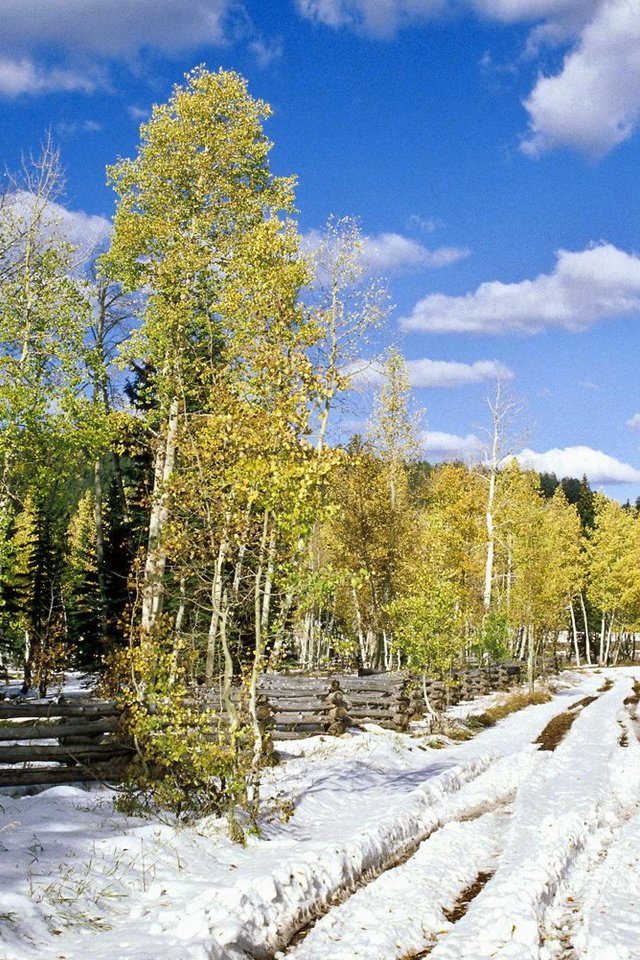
[460, 734]
[556, 730]
[513, 703]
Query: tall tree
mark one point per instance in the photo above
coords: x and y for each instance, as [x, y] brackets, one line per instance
[196, 206]
[347, 306]
[44, 317]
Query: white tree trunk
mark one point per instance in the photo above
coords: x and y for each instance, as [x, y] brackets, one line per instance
[153, 584]
[586, 629]
[574, 630]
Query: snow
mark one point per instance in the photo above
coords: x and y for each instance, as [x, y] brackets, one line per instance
[385, 837]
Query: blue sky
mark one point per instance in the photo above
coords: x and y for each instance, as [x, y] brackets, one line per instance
[490, 149]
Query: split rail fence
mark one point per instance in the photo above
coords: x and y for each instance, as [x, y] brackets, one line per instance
[68, 740]
[79, 740]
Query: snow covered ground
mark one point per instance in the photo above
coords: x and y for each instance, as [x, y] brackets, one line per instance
[387, 842]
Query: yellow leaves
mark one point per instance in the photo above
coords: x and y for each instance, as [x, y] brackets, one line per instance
[613, 559]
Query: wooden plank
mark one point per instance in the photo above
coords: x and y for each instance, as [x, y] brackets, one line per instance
[374, 696]
[292, 690]
[20, 731]
[376, 679]
[390, 690]
[366, 696]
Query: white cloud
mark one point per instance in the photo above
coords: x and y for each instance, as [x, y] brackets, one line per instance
[265, 52]
[434, 374]
[119, 28]
[65, 129]
[593, 103]
[447, 373]
[577, 461]
[376, 18]
[391, 251]
[585, 286]
[22, 76]
[84, 231]
[86, 34]
[141, 114]
[633, 423]
[449, 446]
[384, 18]
[426, 224]
[569, 13]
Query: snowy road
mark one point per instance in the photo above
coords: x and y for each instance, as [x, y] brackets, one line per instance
[490, 848]
[561, 861]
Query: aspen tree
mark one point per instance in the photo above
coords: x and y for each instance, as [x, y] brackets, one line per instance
[44, 317]
[612, 578]
[347, 308]
[503, 410]
[192, 207]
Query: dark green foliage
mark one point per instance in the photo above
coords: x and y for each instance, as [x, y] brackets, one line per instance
[549, 484]
[576, 491]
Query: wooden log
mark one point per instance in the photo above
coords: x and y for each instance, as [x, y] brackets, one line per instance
[297, 734]
[337, 729]
[49, 731]
[318, 707]
[95, 751]
[310, 730]
[291, 683]
[392, 725]
[36, 776]
[352, 688]
[10, 710]
[311, 716]
[374, 714]
[298, 706]
[366, 696]
[337, 713]
[297, 695]
[336, 697]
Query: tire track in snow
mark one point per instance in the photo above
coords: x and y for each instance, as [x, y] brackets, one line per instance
[600, 894]
[309, 886]
[339, 931]
[405, 909]
[562, 816]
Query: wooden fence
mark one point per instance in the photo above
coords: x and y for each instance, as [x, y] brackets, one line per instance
[68, 740]
[304, 706]
[77, 739]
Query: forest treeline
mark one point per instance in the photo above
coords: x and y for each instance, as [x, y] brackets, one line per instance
[173, 501]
